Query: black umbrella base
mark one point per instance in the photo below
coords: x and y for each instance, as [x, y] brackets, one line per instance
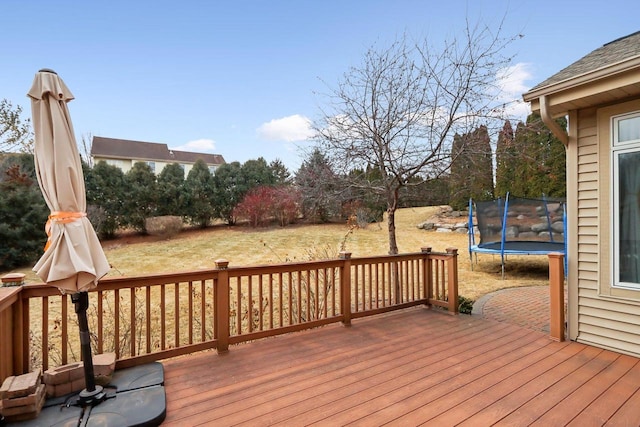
[134, 397]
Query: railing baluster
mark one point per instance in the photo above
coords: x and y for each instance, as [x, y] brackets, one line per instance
[238, 306]
[412, 276]
[376, 268]
[45, 333]
[308, 296]
[280, 299]
[333, 292]
[163, 318]
[261, 304]
[148, 317]
[203, 310]
[190, 311]
[290, 292]
[176, 313]
[116, 321]
[250, 304]
[387, 283]
[363, 291]
[100, 321]
[132, 308]
[317, 288]
[271, 301]
[65, 329]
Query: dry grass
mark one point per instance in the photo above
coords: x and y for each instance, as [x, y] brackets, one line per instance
[245, 246]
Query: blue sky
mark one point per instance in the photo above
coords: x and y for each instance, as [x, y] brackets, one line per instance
[240, 78]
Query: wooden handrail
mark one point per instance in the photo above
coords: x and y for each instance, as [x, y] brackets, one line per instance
[146, 318]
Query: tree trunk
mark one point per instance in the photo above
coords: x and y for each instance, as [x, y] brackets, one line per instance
[391, 223]
[392, 205]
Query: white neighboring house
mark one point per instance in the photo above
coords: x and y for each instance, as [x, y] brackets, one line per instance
[124, 153]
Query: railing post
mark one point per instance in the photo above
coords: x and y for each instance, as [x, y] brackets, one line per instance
[12, 355]
[345, 288]
[22, 318]
[221, 292]
[427, 279]
[556, 296]
[452, 289]
[21, 337]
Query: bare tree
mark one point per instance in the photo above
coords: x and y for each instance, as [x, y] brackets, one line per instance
[399, 110]
[85, 149]
[15, 133]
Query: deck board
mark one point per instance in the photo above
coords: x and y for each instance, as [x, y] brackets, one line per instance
[411, 367]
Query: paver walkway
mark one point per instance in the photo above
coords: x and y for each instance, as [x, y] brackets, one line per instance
[523, 306]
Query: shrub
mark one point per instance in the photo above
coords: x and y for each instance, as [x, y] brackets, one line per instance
[465, 305]
[24, 213]
[286, 205]
[256, 206]
[262, 205]
[97, 217]
[358, 213]
[163, 226]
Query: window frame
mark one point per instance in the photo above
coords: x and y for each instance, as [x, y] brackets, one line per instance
[152, 165]
[619, 148]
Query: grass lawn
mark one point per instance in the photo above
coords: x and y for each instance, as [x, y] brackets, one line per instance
[198, 249]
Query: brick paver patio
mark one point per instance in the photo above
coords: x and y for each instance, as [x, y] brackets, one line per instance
[523, 306]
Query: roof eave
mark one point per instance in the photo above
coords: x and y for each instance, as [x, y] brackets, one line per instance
[589, 78]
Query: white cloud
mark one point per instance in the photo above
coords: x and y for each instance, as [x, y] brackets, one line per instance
[512, 80]
[512, 84]
[288, 129]
[198, 146]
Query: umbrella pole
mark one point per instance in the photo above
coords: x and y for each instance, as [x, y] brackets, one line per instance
[92, 394]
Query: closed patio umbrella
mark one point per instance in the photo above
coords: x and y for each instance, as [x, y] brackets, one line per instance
[73, 260]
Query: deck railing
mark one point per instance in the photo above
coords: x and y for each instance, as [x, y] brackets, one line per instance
[150, 318]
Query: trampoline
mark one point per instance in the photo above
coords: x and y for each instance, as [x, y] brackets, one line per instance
[517, 226]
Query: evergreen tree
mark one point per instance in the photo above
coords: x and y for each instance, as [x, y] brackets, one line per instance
[542, 167]
[199, 192]
[280, 172]
[317, 183]
[141, 196]
[471, 168]
[171, 192]
[105, 189]
[256, 173]
[228, 191]
[24, 213]
[506, 160]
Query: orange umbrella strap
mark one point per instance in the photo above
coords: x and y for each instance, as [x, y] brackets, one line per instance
[63, 218]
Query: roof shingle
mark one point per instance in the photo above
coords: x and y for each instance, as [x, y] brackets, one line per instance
[139, 150]
[615, 51]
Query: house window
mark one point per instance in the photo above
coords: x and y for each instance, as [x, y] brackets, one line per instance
[152, 165]
[212, 169]
[116, 163]
[626, 206]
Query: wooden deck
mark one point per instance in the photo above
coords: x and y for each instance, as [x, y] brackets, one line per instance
[412, 367]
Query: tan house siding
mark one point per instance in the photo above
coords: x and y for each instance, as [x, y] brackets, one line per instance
[602, 84]
[605, 317]
[587, 209]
